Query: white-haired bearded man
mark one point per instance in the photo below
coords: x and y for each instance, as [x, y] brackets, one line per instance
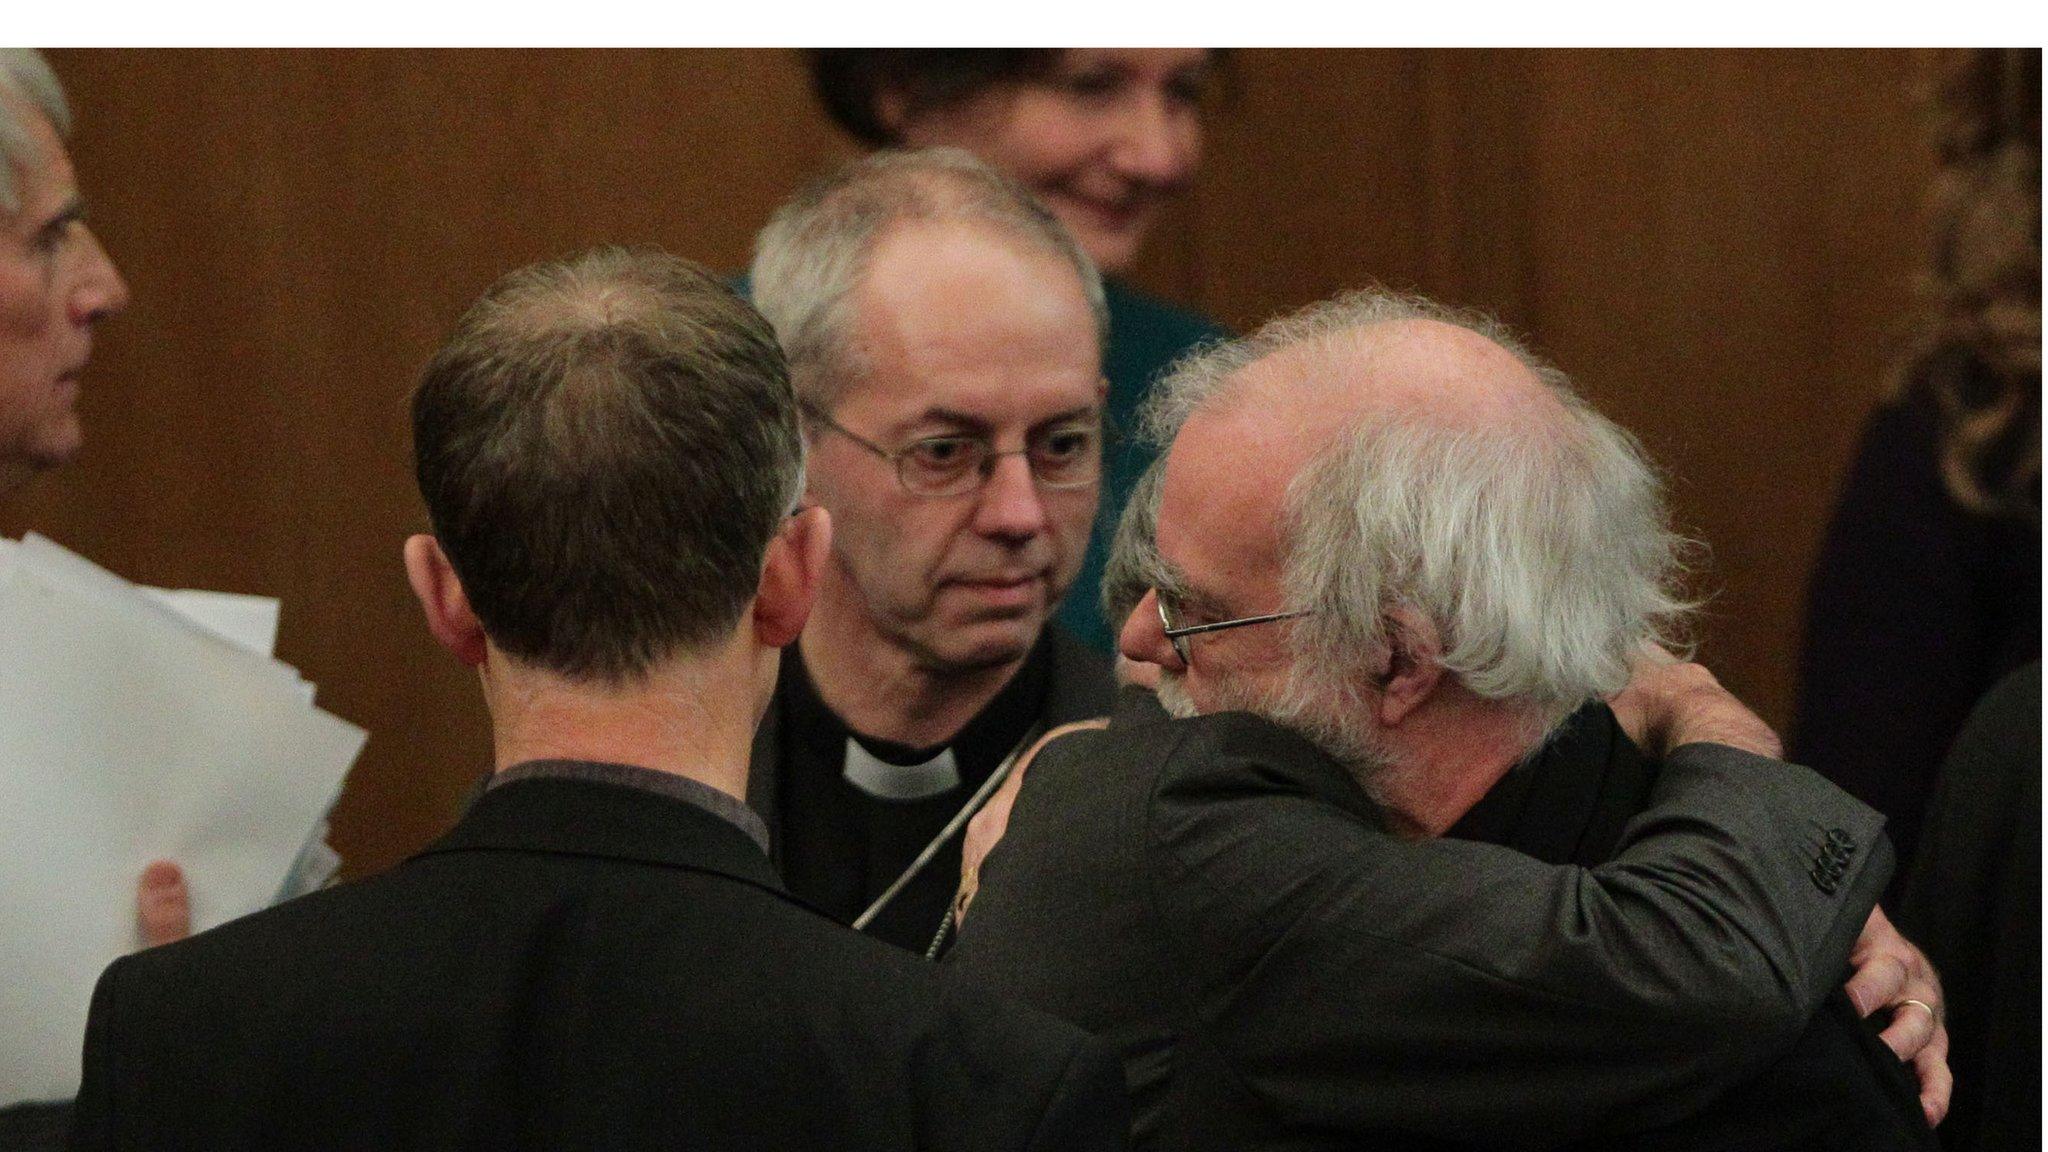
[1290, 921]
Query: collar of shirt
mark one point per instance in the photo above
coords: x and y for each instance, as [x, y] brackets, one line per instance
[667, 784]
[978, 747]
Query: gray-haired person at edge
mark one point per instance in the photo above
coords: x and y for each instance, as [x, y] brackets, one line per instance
[1297, 912]
[598, 954]
[56, 285]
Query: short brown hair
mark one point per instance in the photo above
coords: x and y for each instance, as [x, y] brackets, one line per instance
[606, 445]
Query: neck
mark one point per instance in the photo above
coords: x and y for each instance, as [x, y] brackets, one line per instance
[693, 718]
[1444, 758]
[880, 688]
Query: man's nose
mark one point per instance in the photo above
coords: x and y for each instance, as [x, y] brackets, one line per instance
[1011, 506]
[100, 291]
[1143, 637]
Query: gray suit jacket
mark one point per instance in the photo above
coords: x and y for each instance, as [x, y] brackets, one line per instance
[1218, 899]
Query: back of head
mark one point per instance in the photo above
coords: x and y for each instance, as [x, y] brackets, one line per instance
[606, 445]
[1534, 541]
[814, 250]
[27, 87]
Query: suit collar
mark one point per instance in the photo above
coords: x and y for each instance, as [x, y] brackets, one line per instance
[586, 818]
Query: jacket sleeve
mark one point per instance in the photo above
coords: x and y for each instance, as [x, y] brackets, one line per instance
[1088, 1110]
[93, 1120]
[1360, 983]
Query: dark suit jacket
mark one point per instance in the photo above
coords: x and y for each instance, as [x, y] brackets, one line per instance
[1838, 1089]
[1975, 903]
[1218, 899]
[575, 965]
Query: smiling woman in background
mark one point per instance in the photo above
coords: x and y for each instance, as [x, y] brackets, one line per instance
[1105, 137]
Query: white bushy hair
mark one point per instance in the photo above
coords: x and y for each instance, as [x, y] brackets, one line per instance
[1539, 550]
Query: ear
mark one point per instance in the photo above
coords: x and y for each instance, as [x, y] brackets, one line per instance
[790, 576]
[441, 597]
[1414, 668]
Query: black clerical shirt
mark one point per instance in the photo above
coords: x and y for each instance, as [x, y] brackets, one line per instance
[840, 847]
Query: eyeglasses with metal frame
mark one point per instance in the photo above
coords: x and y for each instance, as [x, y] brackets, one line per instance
[1177, 635]
[1063, 456]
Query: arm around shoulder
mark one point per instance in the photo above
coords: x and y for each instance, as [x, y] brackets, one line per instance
[1502, 1001]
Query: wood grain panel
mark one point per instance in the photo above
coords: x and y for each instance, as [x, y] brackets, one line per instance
[300, 229]
[1722, 244]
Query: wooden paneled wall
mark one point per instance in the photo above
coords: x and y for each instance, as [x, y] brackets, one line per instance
[1719, 245]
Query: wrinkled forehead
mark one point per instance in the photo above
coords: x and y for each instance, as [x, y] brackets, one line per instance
[1223, 501]
[953, 313]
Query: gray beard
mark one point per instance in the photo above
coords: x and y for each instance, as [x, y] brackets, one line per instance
[1174, 698]
[1297, 709]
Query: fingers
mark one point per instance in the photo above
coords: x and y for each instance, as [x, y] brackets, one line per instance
[1911, 1030]
[163, 905]
[1651, 652]
[1892, 973]
[1937, 1083]
[1880, 979]
[970, 883]
[1066, 729]
[987, 827]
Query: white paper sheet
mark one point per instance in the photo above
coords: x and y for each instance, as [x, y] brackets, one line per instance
[127, 734]
[247, 622]
[204, 613]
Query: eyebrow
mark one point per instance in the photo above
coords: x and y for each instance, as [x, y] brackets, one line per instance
[72, 211]
[980, 426]
[1170, 579]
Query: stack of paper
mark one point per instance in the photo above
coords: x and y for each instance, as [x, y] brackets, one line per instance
[135, 724]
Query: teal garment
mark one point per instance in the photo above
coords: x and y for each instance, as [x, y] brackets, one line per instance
[1145, 336]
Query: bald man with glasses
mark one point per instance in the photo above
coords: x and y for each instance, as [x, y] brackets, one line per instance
[944, 335]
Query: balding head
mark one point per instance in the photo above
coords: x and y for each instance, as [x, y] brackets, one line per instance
[606, 445]
[815, 251]
[1425, 484]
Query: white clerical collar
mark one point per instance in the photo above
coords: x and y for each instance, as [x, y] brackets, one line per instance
[885, 781]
